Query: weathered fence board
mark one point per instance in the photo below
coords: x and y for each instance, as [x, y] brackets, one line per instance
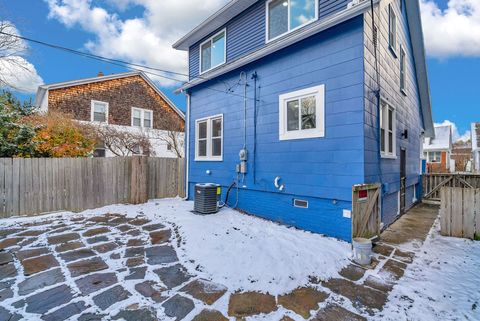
[35, 186]
[432, 183]
[460, 212]
[366, 211]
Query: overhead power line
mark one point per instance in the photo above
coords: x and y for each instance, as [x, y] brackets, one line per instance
[125, 64]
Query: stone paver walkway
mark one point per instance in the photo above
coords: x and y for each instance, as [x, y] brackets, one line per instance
[112, 267]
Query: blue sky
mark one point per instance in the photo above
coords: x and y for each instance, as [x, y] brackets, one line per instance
[111, 28]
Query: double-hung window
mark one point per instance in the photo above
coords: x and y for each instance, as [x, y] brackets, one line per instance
[213, 52]
[433, 157]
[403, 87]
[284, 16]
[142, 118]
[392, 29]
[209, 139]
[388, 139]
[302, 114]
[99, 111]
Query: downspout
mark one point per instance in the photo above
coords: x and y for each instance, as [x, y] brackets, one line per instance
[187, 147]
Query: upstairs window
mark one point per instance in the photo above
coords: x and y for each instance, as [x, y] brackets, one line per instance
[392, 29]
[209, 139]
[99, 111]
[287, 15]
[213, 52]
[302, 114]
[403, 88]
[388, 138]
[142, 118]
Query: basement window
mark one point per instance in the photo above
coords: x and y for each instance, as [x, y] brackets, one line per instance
[302, 114]
[99, 111]
[209, 139]
[284, 16]
[300, 203]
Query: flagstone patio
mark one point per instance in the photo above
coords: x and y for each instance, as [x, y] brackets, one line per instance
[113, 267]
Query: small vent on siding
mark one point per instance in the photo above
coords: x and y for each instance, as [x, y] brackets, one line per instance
[300, 203]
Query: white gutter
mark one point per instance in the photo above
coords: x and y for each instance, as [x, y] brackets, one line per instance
[187, 147]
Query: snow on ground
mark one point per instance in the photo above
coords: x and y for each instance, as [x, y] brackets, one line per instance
[443, 282]
[240, 251]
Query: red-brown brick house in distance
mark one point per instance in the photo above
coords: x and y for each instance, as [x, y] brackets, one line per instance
[437, 151]
[126, 102]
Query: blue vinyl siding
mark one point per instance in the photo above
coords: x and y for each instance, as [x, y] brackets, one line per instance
[408, 113]
[322, 170]
[246, 32]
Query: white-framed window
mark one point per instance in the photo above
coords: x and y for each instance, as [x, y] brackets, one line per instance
[302, 114]
[403, 85]
[284, 16]
[209, 138]
[433, 157]
[388, 139]
[142, 118]
[392, 29]
[213, 52]
[99, 111]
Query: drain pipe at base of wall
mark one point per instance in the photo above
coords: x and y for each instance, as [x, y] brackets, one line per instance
[187, 147]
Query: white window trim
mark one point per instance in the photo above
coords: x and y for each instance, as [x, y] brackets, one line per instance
[92, 103]
[209, 157]
[267, 40]
[386, 154]
[319, 131]
[434, 152]
[391, 11]
[142, 117]
[224, 31]
[403, 61]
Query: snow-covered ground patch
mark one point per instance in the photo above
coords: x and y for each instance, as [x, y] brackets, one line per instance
[443, 282]
[240, 251]
[247, 253]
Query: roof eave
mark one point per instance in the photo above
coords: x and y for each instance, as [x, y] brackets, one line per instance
[281, 43]
[419, 53]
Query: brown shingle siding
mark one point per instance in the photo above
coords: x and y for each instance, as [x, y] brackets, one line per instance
[121, 94]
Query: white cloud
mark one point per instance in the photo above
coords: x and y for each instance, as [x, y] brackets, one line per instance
[455, 132]
[16, 73]
[19, 75]
[143, 40]
[454, 31]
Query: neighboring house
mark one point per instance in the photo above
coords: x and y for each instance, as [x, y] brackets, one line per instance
[476, 146]
[282, 101]
[126, 102]
[437, 151]
[462, 156]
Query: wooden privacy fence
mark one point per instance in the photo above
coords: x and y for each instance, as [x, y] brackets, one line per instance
[432, 183]
[460, 212]
[34, 186]
[366, 211]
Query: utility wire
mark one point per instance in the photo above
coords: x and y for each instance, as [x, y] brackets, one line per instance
[128, 65]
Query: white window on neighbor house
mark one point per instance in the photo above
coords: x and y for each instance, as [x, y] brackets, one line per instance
[302, 114]
[388, 139]
[284, 16]
[392, 28]
[403, 80]
[433, 157]
[99, 111]
[213, 52]
[142, 118]
[209, 139]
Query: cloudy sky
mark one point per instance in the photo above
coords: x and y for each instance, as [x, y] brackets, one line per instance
[142, 31]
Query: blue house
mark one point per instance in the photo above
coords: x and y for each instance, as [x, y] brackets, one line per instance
[292, 102]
